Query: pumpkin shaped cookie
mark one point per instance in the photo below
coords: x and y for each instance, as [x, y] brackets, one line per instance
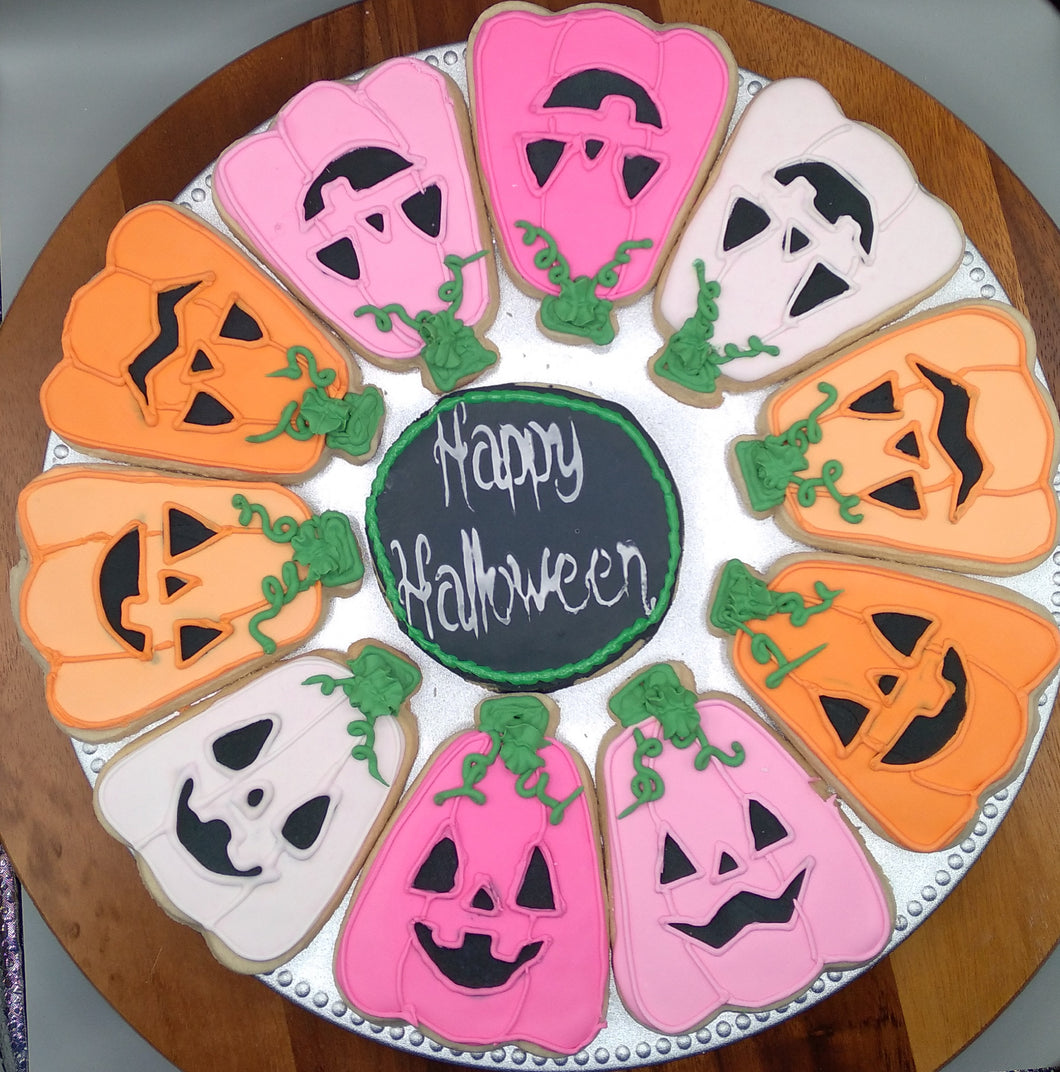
[915, 692]
[481, 916]
[734, 880]
[183, 354]
[142, 591]
[933, 441]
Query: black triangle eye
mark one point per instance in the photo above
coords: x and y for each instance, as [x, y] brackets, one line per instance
[766, 828]
[902, 631]
[302, 827]
[637, 172]
[239, 324]
[206, 411]
[908, 445]
[237, 749]
[341, 258]
[675, 863]
[845, 716]
[746, 221]
[796, 240]
[424, 210]
[900, 494]
[437, 874]
[375, 221]
[201, 363]
[877, 399]
[543, 156]
[186, 532]
[822, 286]
[536, 888]
[194, 639]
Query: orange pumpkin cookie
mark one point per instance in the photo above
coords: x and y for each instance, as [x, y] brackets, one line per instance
[914, 692]
[143, 592]
[931, 442]
[183, 354]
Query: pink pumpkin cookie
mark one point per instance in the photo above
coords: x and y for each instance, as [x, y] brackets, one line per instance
[812, 232]
[361, 199]
[734, 883]
[594, 130]
[481, 916]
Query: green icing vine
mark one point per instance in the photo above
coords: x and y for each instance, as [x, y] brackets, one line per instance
[577, 309]
[451, 349]
[348, 424]
[741, 598]
[690, 357]
[769, 465]
[379, 684]
[658, 694]
[323, 545]
[516, 726]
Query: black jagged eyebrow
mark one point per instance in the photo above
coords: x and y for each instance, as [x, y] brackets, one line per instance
[834, 195]
[362, 168]
[165, 343]
[589, 88]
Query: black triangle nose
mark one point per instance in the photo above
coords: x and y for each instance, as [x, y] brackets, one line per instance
[726, 864]
[482, 900]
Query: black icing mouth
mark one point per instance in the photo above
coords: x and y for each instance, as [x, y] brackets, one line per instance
[207, 842]
[471, 964]
[742, 910]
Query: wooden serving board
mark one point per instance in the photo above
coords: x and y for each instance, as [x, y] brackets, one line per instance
[915, 1010]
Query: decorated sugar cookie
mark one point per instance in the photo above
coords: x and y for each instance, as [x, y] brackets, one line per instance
[594, 130]
[250, 814]
[481, 916]
[914, 691]
[361, 198]
[932, 441]
[734, 880]
[812, 232]
[183, 354]
[143, 591]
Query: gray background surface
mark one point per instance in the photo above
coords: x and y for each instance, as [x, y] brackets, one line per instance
[78, 81]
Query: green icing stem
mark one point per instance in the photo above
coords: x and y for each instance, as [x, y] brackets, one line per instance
[770, 464]
[577, 309]
[324, 545]
[452, 350]
[690, 357]
[379, 684]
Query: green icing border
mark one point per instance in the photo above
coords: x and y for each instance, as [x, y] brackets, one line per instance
[559, 399]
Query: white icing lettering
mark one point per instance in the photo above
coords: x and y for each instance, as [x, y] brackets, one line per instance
[456, 450]
[419, 590]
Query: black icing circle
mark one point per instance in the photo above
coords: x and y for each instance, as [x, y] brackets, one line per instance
[525, 537]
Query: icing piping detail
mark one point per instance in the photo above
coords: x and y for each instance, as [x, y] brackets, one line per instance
[769, 465]
[741, 597]
[323, 544]
[658, 694]
[690, 358]
[516, 727]
[577, 309]
[349, 423]
[451, 349]
[379, 684]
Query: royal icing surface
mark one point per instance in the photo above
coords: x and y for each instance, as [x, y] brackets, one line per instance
[500, 542]
[357, 194]
[813, 227]
[745, 909]
[915, 694]
[482, 918]
[938, 441]
[181, 352]
[595, 128]
[141, 589]
[252, 815]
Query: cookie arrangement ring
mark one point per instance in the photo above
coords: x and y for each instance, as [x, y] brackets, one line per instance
[716, 528]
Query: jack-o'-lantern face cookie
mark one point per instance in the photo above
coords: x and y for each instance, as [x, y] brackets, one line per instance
[812, 232]
[182, 353]
[594, 129]
[481, 918]
[143, 591]
[731, 876]
[914, 692]
[250, 814]
[932, 440]
[370, 207]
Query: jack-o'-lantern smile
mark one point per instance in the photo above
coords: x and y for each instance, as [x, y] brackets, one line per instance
[472, 963]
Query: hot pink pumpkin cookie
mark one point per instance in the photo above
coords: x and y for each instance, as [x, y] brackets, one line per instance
[594, 130]
[481, 916]
[734, 882]
[361, 198]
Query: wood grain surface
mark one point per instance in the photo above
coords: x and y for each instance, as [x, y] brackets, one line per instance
[913, 1011]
